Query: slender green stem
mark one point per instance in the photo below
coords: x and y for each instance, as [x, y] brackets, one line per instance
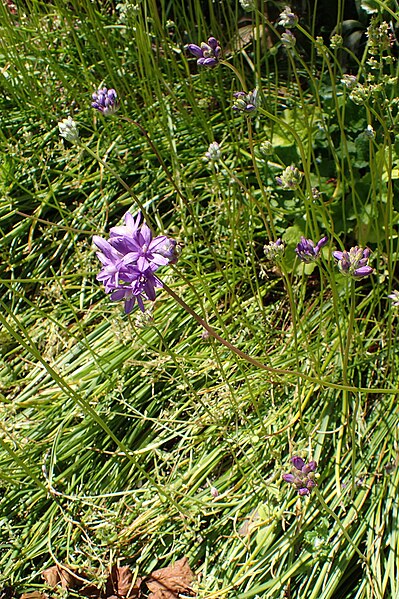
[236, 73]
[270, 369]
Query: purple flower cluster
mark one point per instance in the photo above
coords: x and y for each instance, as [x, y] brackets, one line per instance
[246, 101]
[302, 476]
[354, 263]
[105, 100]
[308, 251]
[129, 260]
[208, 54]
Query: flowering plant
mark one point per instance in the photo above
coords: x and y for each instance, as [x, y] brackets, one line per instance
[208, 54]
[302, 475]
[130, 258]
[354, 263]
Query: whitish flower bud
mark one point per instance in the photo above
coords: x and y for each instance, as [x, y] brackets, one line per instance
[274, 250]
[287, 18]
[290, 178]
[69, 130]
[213, 155]
[288, 39]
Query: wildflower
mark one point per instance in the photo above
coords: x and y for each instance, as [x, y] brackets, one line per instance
[113, 266]
[246, 102]
[129, 260]
[274, 250]
[142, 249]
[379, 37]
[349, 81]
[69, 130]
[316, 194]
[105, 101]
[360, 94]
[208, 54]
[288, 39]
[290, 178]
[354, 263]
[394, 296]
[302, 476]
[266, 148]
[141, 286]
[369, 132]
[248, 5]
[287, 18]
[307, 251]
[213, 155]
[336, 41]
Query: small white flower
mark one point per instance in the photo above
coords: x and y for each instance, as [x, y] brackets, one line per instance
[369, 132]
[69, 130]
[248, 5]
[213, 155]
[287, 18]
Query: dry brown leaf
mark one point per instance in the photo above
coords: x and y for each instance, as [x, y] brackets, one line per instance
[90, 591]
[66, 575]
[51, 576]
[167, 583]
[120, 583]
[34, 595]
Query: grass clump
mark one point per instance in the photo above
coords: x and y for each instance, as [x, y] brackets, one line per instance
[142, 438]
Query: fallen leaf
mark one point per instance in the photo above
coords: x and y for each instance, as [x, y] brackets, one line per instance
[120, 583]
[169, 582]
[66, 575]
[34, 595]
[90, 591]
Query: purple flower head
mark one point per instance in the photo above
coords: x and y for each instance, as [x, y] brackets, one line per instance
[208, 54]
[142, 286]
[130, 257]
[112, 263]
[308, 251]
[302, 475]
[354, 263]
[105, 100]
[394, 296]
[246, 102]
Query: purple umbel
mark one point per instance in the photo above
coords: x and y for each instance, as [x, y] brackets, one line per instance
[208, 54]
[354, 263]
[308, 251]
[105, 100]
[302, 476]
[129, 260]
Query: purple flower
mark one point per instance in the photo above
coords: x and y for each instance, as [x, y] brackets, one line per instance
[130, 257]
[130, 227]
[302, 476]
[112, 263]
[354, 263]
[394, 296]
[105, 100]
[307, 251]
[246, 102]
[141, 287]
[208, 54]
